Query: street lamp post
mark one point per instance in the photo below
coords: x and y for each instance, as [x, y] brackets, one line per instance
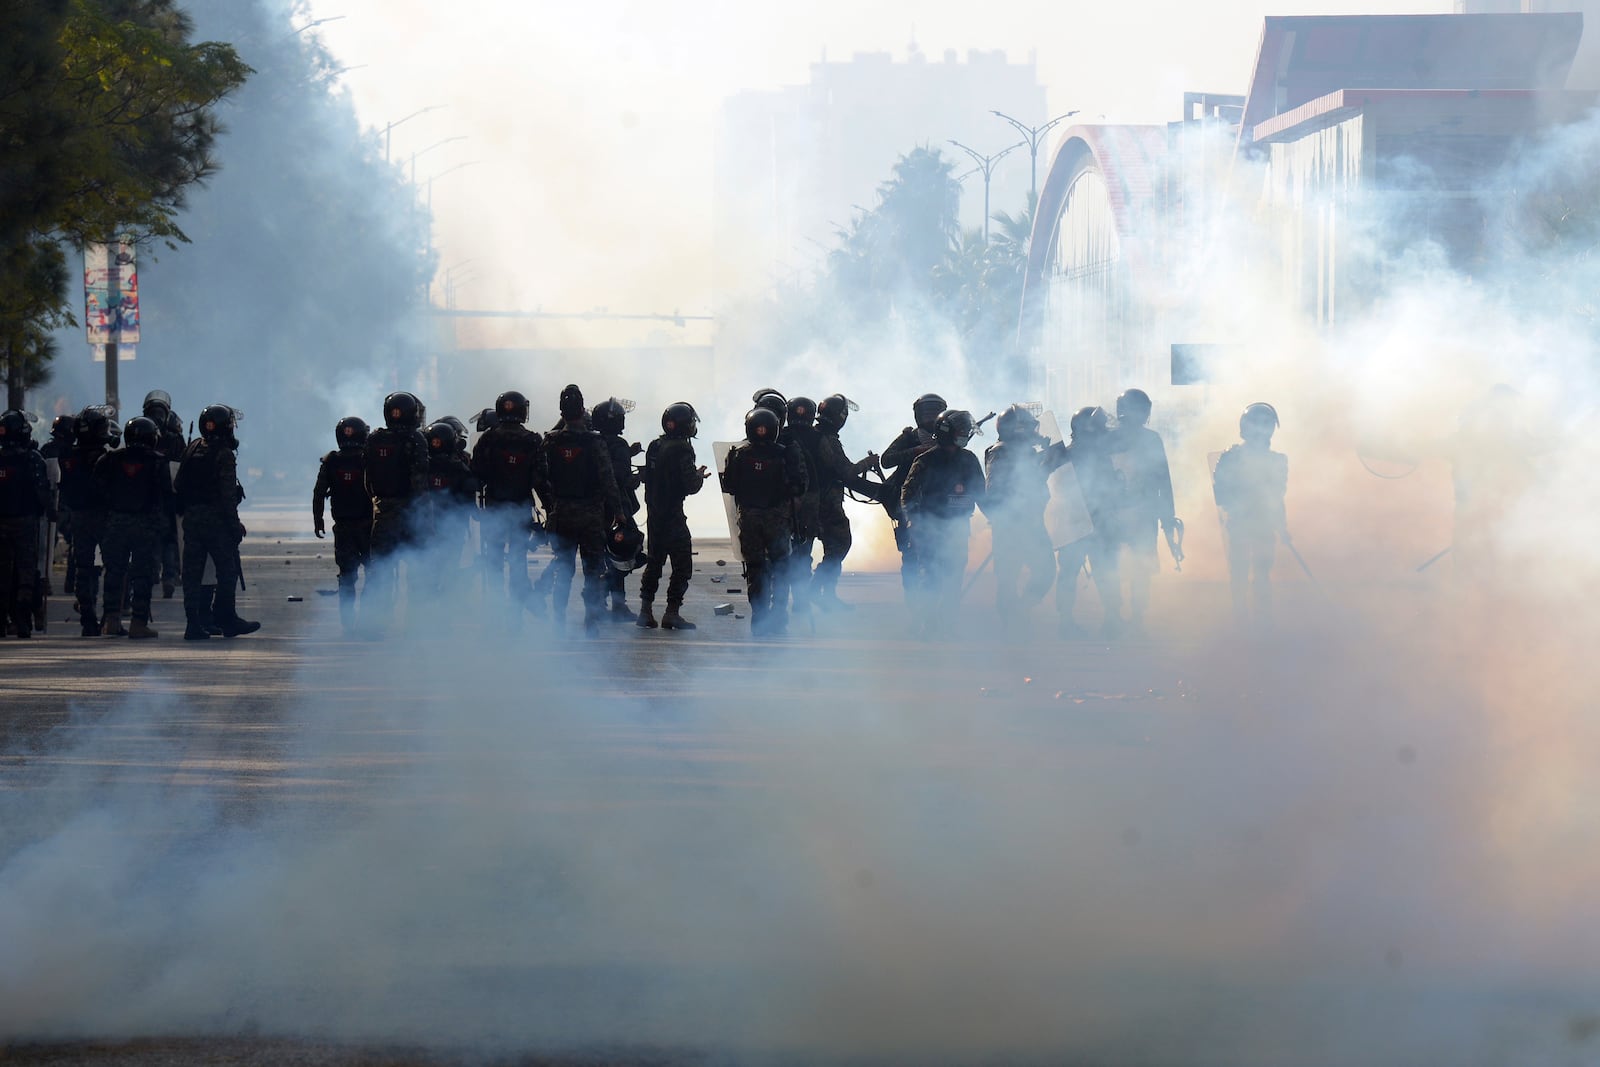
[1031, 136]
[430, 148]
[389, 128]
[986, 166]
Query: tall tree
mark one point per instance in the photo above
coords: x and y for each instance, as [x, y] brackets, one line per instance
[106, 120]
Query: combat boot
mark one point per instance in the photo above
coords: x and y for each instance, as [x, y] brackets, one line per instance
[647, 616]
[673, 621]
[237, 627]
[140, 629]
[91, 623]
[620, 611]
[111, 626]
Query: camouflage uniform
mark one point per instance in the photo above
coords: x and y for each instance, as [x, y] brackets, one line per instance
[139, 506]
[670, 476]
[763, 480]
[582, 500]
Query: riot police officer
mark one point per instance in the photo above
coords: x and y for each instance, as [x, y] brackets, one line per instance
[94, 432]
[509, 463]
[836, 472]
[1250, 484]
[139, 506]
[764, 478]
[396, 469]
[1017, 468]
[1101, 485]
[670, 476]
[208, 494]
[941, 489]
[452, 497]
[24, 500]
[341, 481]
[912, 442]
[800, 429]
[158, 409]
[609, 420]
[583, 500]
[1140, 458]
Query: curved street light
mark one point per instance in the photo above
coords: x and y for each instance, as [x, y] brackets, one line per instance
[389, 128]
[1031, 136]
[986, 166]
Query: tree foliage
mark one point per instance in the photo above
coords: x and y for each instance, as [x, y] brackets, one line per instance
[106, 119]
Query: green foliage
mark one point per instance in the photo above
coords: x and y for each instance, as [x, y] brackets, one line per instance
[105, 121]
[908, 260]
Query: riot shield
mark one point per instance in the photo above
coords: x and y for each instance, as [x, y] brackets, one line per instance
[720, 450]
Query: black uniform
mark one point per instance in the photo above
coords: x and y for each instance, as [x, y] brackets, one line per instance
[835, 472]
[621, 453]
[940, 491]
[452, 497]
[582, 500]
[1016, 494]
[396, 469]
[171, 448]
[763, 480]
[1250, 484]
[1102, 494]
[1140, 459]
[912, 442]
[208, 496]
[670, 476]
[509, 463]
[139, 505]
[341, 481]
[24, 500]
[807, 511]
[84, 497]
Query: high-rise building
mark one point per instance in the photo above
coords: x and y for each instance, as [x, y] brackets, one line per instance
[1586, 67]
[794, 164]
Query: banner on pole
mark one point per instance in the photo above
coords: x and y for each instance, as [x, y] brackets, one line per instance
[111, 295]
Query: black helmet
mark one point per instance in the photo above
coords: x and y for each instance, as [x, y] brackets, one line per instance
[624, 545]
[609, 417]
[486, 420]
[802, 411]
[680, 420]
[926, 408]
[351, 432]
[1089, 421]
[510, 406]
[174, 423]
[1016, 423]
[461, 431]
[93, 425]
[832, 412]
[15, 429]
[441, 439]
[157, 406]
[1258, 418]
[1134, 404]
[761, 425]
[773, 401]
[572, 403]
[61, 428]
[955, 427]
[217, 421]
[403, 411]
[142, 432]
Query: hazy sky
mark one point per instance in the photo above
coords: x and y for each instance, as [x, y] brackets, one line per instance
[594, 123]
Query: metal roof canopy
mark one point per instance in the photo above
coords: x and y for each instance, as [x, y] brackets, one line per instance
[1305, 57]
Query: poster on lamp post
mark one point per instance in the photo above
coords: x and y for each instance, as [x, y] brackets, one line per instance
[111, 298]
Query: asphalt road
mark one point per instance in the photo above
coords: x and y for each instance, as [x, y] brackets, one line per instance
[716, 828]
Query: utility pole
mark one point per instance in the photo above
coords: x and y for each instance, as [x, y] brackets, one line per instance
[986, 165]
[1031, 136]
